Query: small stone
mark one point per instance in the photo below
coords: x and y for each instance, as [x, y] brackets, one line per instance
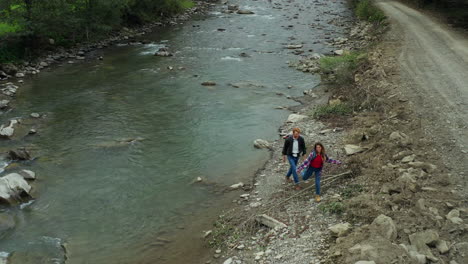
[340, 230]
[409, 158]
[199, 179]
[207, 233]
[338, 52]
[228, 261]
[442, 246]
[236, 186]
[208, 83]
[35, 115]
[218, 251]
[28, 175]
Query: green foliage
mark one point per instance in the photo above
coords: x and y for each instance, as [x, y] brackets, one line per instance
[332, 208]
[6, 28]
[331, 110]
[366, 10]
[351, 191]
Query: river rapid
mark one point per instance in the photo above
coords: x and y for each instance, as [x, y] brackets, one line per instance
[124, 138]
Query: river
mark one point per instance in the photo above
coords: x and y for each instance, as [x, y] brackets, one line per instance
[136, 202]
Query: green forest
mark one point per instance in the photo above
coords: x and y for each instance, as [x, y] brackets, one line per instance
[28, 24]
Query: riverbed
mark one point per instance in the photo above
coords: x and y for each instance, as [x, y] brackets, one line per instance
[125, 138]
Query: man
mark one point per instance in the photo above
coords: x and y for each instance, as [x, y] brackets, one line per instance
[294, 147]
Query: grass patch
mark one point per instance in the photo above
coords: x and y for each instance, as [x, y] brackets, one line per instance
[224, 232]
[186, 4]
[366, 10]
[332, 208]
[351, 191]
[332, 110]
[349, 60]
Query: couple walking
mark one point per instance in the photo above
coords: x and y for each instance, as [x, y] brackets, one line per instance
[294, 147]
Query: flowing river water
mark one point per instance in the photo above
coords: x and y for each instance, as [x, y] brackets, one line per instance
[111, 202]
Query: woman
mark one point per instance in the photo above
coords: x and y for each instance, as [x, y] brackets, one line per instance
[294, 147]
[314, 164]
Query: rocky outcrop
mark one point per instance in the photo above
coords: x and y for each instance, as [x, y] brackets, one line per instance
[14, 188]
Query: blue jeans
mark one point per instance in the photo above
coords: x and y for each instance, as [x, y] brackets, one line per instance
[309, 172]
[292, 168]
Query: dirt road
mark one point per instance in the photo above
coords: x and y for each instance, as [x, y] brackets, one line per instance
[434, 71]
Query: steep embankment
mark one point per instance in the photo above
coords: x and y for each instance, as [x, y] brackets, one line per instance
[405, 201]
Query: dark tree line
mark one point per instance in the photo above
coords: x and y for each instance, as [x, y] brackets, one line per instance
[28, 22]
[456, 11]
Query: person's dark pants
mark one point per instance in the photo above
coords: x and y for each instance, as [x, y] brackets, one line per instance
[292, 168]
[318, 172]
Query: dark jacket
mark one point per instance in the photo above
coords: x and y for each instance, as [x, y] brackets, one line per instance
[288, 145]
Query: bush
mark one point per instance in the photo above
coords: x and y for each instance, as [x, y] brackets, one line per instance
[332, 208]
[366, 10]
[350, 60]
[330, 110]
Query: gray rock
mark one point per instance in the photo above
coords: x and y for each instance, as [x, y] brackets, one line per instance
[236, 186]
[19, 75]
[233, 7]
[228, 261]
[293, 118]
[13, 187]
[19, 154]
[269, 221]
[353, 149]
[428, 167]
[365, 262]
[27, 174]
[260, 144]
[245, 12]
[454, 216]
[338, 52]
[4, 104]
[340, 230]
[9, 68]
[8, 131]
[35, 115]
[421, 241]
[409, 158]
[442, 246]
[385, 226]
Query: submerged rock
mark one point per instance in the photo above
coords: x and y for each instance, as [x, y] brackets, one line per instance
[19, 154]
[261, 143]
[245, 12]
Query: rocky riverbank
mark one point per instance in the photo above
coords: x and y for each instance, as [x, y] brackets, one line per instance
[17, 134]
[394, 200]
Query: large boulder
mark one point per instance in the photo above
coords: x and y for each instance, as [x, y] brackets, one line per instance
[384, 226]
[9, 68]
[293, 118]
[13, 188]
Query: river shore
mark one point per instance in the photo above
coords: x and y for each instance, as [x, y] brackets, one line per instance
[392, 201]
